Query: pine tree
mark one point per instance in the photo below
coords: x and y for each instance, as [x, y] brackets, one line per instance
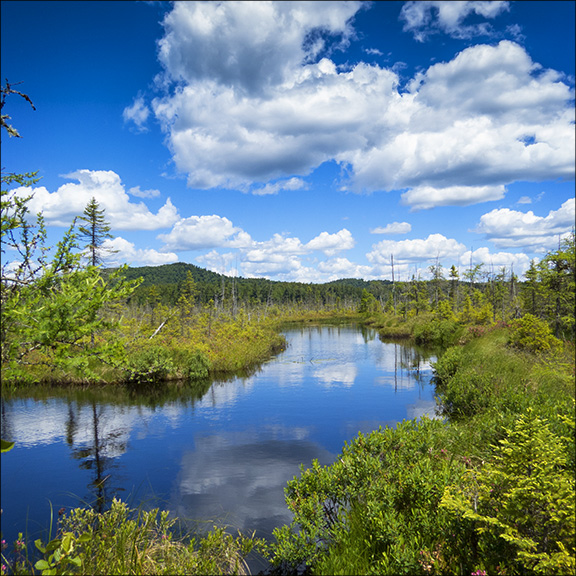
[96, 232]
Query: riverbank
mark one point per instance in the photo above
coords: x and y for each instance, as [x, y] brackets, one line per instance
[399, 499]
[200, 346]
[489, 490]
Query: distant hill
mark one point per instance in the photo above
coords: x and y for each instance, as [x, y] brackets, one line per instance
[168, 280]
[172, 274]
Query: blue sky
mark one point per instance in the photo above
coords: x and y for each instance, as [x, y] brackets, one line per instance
[303, 141]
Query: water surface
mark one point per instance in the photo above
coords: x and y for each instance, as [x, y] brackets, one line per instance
[222, 453]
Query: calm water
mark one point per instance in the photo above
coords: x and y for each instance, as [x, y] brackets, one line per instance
[222, 453]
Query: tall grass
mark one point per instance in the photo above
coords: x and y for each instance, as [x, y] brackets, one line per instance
[125, 541]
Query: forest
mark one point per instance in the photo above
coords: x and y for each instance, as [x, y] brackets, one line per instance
[486, 489]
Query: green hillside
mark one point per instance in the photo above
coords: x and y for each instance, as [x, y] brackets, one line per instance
[165, 284]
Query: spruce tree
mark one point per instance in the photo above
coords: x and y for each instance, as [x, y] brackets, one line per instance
[95, 231]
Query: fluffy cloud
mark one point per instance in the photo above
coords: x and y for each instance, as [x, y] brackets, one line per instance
[276, 187]
[135, 191]
[492, 262]
[417, 250]
[413, 257]
[336, 268]
[201, 232]
[69, 200]
[425, 197]
[252, 46]
[331, 244]
[281, 256]
[513, 229]
[127, 253]
[424, 18]
[138, 114]
[269, 105]
[393, 228]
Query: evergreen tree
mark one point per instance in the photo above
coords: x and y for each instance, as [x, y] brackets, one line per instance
[454, 294]
[96, 231]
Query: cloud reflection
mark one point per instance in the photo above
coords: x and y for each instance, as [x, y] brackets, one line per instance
[240, 480]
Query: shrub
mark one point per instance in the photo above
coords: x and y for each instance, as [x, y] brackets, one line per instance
[375, 510]
[126, 541]
[439, 332]
[191, 363]
[448, 364]
[149, 365]
[534, 335]
[520, 504]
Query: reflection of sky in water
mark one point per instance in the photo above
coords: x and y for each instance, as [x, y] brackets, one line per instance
[226, 457]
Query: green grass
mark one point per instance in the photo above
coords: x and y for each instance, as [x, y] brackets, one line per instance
[124, 541]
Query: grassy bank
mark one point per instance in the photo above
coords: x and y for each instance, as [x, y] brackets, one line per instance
[166, 346]
[489, 490]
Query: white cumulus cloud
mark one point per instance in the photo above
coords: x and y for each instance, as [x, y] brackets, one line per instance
[260, 107]
[136, 191]
[276, 187]
[137, 113]
[127, 253]
[202, 232]
[425, 197]
[60, 207]
[331, 244]
[416, 250]
[423, 18]
[514, 229]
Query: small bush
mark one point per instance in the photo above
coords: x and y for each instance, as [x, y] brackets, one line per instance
[448, 364]
[375, 510]
[438, 332]
[193, 364]
[126, 541]
[533, 335]
[520, 503]
[150, 365]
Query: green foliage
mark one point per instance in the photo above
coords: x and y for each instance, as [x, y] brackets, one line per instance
[123, 541]
[448, 363]
[442, 332]
[95, 231]
[149, 364]
[52, 306]
[550, 292]
[483, 376]
[375, 509]
[191, 363]
[368, 303]
[521, 503]
[534, 335]
[60, 554]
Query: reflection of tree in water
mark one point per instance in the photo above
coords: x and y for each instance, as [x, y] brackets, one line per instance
[412, 359]
[97, 455]
[6, 428]
[368, 334]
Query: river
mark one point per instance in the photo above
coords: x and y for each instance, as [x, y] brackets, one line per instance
[222, 452]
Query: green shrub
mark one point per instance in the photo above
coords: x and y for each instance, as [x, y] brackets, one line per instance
[191, 363]
[375, 510]
[438, 332]
[126, 541]
[467, 392]
[448, 364]
[534, 335]
[520, 504]
[150, 365]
